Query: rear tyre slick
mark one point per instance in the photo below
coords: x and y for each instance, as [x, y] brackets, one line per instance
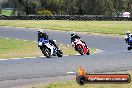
[129, 48]
[88, 52]
[59, 53]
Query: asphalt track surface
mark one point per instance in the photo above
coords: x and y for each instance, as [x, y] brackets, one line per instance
[115, 57]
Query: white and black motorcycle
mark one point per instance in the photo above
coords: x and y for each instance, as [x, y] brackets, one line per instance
[49, 49]
[128, 39]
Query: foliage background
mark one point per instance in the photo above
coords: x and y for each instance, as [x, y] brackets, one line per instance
[69, 7]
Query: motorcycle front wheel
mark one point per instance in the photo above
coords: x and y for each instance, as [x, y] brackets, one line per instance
[79, 49]
[46, 52]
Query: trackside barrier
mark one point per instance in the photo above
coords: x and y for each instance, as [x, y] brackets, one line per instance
[69, 17]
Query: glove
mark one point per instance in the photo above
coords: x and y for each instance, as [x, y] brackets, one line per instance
[73, 45]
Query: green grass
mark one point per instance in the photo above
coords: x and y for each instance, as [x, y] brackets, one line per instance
[105, 27]
[11, 48]
[7, 12]
[73, 84]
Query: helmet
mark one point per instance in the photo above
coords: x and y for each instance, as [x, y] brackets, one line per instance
[128, 32]
[40, 31]
[72, 34]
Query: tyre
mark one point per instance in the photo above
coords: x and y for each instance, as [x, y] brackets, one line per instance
[88, 52]
[129, 48]
[79, 48]
[81, 80]
[46, 52]
[59, 53]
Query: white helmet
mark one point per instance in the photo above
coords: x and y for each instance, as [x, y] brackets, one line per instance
[72, 33]
[128, 32]
[40, 31]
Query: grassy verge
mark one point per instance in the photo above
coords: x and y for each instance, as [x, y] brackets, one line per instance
[105, 27]
[11, 48]
[73, 84]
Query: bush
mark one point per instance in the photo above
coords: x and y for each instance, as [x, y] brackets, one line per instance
[7, 12]
[44, 12]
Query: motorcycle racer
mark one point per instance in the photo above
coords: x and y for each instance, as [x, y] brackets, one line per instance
[75, 36]
[127, 36]
[130, 40]
[79, 44]
[41, 34]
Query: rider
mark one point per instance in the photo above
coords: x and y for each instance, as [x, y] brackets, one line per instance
[130, 40]
[127, 37]
[75, 36]
[41, 34]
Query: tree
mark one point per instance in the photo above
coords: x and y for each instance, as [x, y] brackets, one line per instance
[98, 7]
[55, 6]
[29, 7]
[120, 5]
[26, 6]
[73, 7]
[130, 6]
[106, 7]
[0, 10]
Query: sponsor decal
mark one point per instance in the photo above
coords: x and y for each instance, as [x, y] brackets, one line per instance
[82, 77]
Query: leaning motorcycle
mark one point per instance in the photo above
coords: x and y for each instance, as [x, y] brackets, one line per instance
[128, 41]
[49, 49]
[80, 47]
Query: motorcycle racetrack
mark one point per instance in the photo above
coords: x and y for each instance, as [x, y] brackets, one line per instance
[13, 73]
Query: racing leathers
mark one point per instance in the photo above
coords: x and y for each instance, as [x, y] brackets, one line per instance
[46, 37]
[127, 37]
[73, 37]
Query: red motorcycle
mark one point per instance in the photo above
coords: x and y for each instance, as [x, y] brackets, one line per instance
[80, 47]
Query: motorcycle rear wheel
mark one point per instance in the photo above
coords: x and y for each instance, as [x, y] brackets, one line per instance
[88, 52]
[129, 48]
[59, 53]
